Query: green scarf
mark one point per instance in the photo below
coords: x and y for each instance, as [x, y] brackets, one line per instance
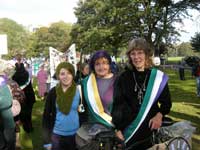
[64, 99]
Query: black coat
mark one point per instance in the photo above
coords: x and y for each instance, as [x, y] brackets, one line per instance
[49, 115]
[126, 105]
[21, 76]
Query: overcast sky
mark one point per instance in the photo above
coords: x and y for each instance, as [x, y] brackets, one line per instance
[38, 12]
[43, 12]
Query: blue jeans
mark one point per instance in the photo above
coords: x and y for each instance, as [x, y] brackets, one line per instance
[60, 142]
[198, 85]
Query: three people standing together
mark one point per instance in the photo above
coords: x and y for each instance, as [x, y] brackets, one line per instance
[133, 103]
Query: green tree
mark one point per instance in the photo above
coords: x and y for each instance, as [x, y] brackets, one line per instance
[18, 36]
[184, 49]
[97, 27]
[40, 42]
[60, 35]
[57, 36]
[112, 23]
[195, 42]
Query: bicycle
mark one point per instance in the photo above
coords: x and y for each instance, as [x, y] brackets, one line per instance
[170, 141]
[106, 140]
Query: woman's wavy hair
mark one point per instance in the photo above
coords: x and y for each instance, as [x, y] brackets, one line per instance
[140, 44]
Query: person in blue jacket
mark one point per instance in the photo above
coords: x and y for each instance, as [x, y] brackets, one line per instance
[60, 117]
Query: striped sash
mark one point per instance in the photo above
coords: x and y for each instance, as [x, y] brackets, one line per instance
[156, 84]
[94, 101]
[25, 84]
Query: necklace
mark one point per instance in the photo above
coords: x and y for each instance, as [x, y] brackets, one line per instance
[140, 89]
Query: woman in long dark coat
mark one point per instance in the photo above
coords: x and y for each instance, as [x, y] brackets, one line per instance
[21, 76]
[141, 98]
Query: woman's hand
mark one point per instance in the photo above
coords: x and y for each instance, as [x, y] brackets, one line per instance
[156, 121]
[119, 135]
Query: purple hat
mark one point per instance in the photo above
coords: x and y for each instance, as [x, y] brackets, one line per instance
[99, 54]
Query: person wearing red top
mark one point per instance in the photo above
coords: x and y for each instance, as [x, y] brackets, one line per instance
[197, 75]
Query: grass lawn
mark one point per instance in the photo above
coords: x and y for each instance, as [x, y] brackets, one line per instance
[174, 59]
[186, 106]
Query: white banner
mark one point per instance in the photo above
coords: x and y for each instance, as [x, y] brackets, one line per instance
[71, 56]
[55, 58]
[3, 44]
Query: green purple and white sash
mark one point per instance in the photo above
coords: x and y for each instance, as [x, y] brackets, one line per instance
[94, 101]
[25, 84]
[156, 84]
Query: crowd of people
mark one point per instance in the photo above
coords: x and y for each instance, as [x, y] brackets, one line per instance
[131, 103]
[133, 112]
[17, 99]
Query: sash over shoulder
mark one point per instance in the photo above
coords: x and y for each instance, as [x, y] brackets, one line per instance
[155, 86]
[94, 101]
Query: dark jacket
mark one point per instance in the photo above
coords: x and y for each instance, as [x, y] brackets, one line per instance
[126, 105]
[21, 76]
[49, 115]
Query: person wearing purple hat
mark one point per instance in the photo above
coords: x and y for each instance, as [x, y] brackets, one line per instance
[97, 96]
